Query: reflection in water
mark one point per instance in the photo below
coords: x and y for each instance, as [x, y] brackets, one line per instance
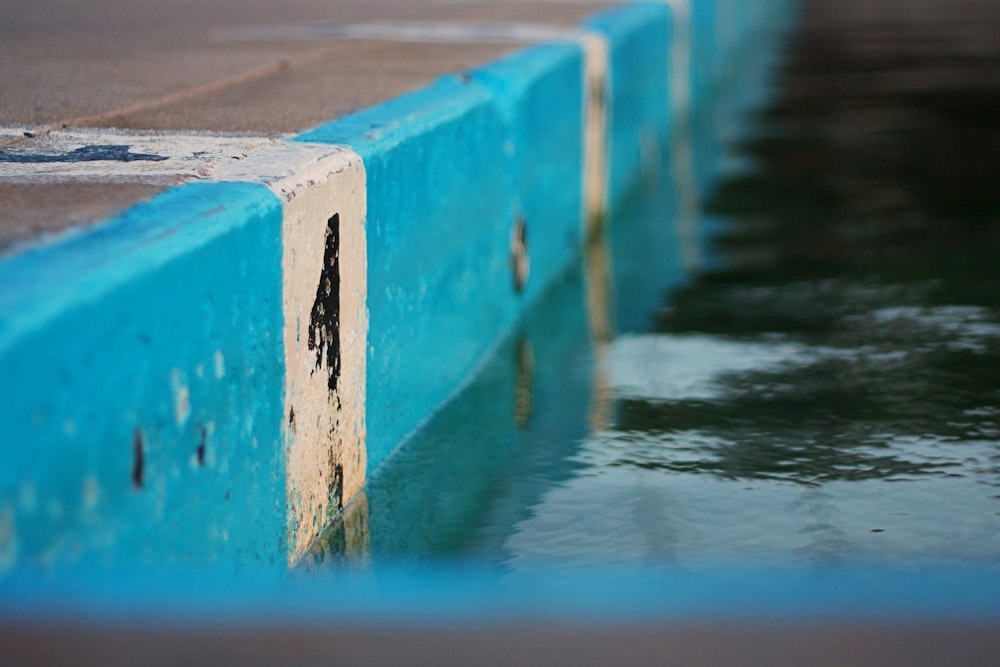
[825, 390]
[525, 362]
[346, 544]
[852, 337]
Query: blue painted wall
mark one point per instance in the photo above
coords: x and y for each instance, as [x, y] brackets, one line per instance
[449, 170]
[98, 335]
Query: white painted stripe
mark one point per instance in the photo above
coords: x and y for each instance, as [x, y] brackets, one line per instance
[450, 32]
[533, 2]
[595, 124]
[324, 250]
[109, 155]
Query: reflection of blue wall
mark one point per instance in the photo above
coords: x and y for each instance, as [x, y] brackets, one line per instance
[442, 483]
[704, 58]
[645, 257]
[726, 107]
[449, 169]
[101, 336]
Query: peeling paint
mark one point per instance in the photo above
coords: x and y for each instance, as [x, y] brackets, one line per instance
[182, 397]
[324, 320]
[219, 361]
[91, 153]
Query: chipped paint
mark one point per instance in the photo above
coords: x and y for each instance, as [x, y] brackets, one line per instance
[219, 361]
[182, 397]
[108, 155]
[89, 153]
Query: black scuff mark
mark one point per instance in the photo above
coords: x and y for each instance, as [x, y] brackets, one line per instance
[94, 153]
[201, 448]
[138, 456]
[324, 322]
[336, 488]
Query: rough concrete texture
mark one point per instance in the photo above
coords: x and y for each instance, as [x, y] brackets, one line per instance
[324, 83]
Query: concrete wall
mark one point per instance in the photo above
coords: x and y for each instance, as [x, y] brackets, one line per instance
[209, 377]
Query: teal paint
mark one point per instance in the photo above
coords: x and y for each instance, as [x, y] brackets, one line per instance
[440, 208]
[704, 55]
[159, 330]
[637, 91]
[449, 170]
[530, 89]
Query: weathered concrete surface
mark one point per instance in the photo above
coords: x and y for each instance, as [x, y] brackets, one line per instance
[28, 211]
[63, 62]
[182, 65]
[322, 83]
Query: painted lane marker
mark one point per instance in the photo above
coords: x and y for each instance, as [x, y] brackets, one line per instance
[595, 129]
[325, 272]
[108, 155]
[424, 32]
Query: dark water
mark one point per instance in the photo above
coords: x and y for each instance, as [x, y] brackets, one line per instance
[806, 370]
